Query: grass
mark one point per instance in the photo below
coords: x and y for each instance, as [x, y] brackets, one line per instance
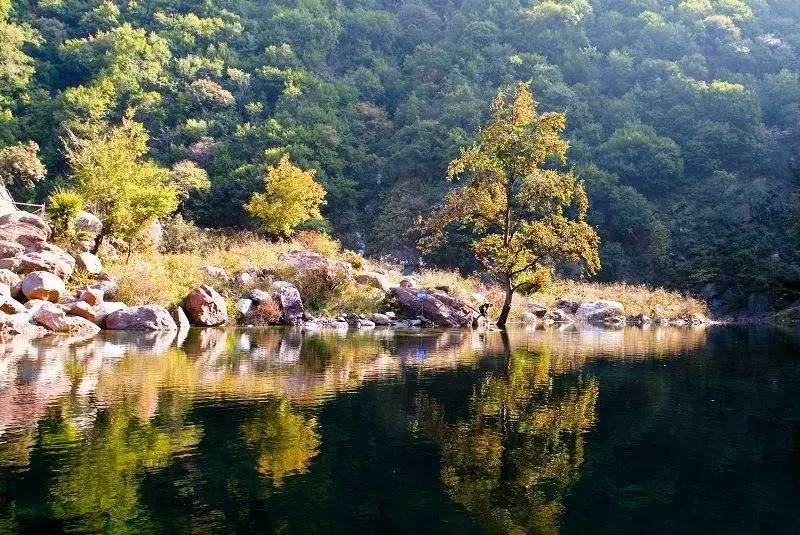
[164, 278]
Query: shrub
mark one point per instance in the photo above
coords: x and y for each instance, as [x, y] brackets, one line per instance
[181, 236]
[264, 313]
[63, 206]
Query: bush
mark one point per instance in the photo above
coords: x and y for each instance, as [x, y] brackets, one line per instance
[63, 206]
[181, 236]
[264, 313]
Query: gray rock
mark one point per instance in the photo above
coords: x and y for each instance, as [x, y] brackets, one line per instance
[536, 309]
[89, 263]
[180, 319]
[205, 307]
[141, 318]
[639, 320]
[290, 303]
[438, 308]
[380, 319]
[244, 278]
[54, 319]
[89, 224]
[601, 311]
[569, 306]
[259, 296]
[43, 285]
[102, 310]
[244, 305]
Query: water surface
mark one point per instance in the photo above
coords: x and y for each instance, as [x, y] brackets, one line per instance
[273, 431]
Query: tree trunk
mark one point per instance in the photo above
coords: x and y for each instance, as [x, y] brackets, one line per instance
[98, 241]
[503, 318]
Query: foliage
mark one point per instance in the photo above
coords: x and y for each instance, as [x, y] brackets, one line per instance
[526, 218]
[124, 190]
[20, 167]
[63, 206]
[291, 196]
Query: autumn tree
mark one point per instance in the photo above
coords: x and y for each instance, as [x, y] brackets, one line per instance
[291, 197]
[123, 188]
[524, 216]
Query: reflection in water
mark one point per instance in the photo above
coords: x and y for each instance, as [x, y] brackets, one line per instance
[96, 429]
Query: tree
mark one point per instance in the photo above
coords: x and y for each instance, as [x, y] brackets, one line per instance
[291, 197]
[524, 216]
[123, 189]
[20, 167]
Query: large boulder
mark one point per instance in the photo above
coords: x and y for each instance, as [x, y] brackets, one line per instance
[43, 285]
[24, 228]
[89, 224]
[102, 311]
[6, 202]
[310, 262]
[10, 249]
[180, 319]
[9, 305]
[437, 307]
[601, 312]
[141, 318]
[41, 256]
[89, 263]
[290, 303]
[375, 280]
[206, 307]
[13, 281]
[53, 318]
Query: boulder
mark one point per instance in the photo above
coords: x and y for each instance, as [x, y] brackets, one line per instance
[559, 316]
[215, 272]
[205, 307]
[89, 224]
[438, 308]
[244, 305]
[289, 302]
[408, 282]
[639, 320]
[20, 324]
[24, 228]
[54, 319]
[92, 296]
[102, 310]
[43, 285]
[244, 278]
[83, 310]
[141, 318]
[89, 263]
[569, 306]
[537, 310]
[6, 202]
[13, 281]
[601, 312]
[380, 319]
[108, 286]
[9, 305]
[10, 249]
[308, 261]
[180, 319]
[375, 280]
[259, 296]
[41, 256]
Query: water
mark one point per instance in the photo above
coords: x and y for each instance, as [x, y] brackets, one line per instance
[270, 431]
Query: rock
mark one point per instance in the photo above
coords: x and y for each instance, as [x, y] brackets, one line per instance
[55, 319]
[20, 324]
[290, 303]
[639, 320]
[205, 307]
[10, 249]
[439, 308]
[569, 306]
[89, 263]
[365, 324]
[601, 311]
[141, 318]
[259, 296]
[24, 228]
[102, 310]
[41, 256]
[13, 281]
[43, 285]
[244, 305]
[375, 280]
[35, 304]
[180, 319]
[109, 287]
[380, 319]
[559, 316]
[5, 290]
[243, 279]
[538, 310]
[9, 305]
[92, 296]
[89, 224]
[7, 205]
[83, 310]
[215, 272]
[308, 261]
[391, 315]
[479, 298]
[408, 282]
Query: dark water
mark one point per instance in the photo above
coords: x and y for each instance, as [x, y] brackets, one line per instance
[547, 431]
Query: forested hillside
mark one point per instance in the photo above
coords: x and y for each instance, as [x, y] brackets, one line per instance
[682, 116]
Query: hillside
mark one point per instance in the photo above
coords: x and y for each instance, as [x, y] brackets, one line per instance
[682, 116]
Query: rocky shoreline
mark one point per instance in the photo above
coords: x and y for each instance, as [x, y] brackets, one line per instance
[35, 301]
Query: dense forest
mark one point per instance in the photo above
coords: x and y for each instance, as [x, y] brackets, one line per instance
[682, 116]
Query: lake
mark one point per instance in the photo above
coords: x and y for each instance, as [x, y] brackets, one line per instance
[557, 430]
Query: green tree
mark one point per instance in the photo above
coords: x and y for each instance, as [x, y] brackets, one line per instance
[291, 197]
[525, 217]
[124, 189]
[20, 167]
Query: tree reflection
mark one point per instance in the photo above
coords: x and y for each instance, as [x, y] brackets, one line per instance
[284, 442]
[513, 458]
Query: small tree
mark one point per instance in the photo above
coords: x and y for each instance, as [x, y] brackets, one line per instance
[20, 167]
[126, 191]
[524, 218]
[291, 197]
